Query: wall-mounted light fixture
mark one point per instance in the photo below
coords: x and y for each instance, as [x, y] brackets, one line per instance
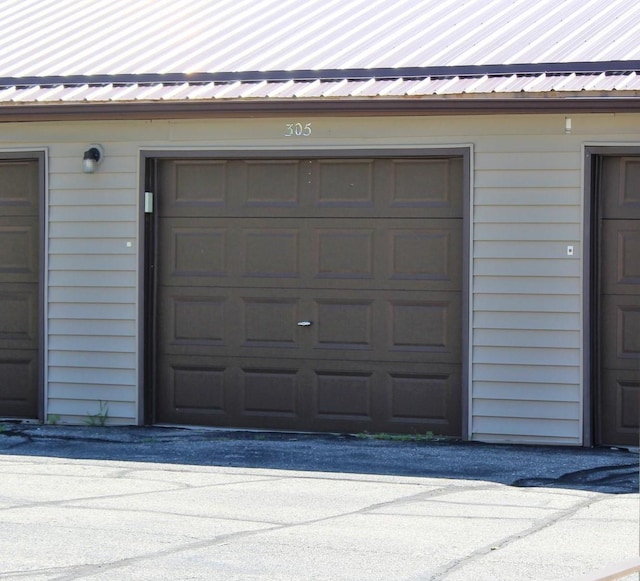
[92, 158]
[568, 125]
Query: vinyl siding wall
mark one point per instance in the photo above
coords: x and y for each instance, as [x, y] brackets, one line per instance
[526, 300]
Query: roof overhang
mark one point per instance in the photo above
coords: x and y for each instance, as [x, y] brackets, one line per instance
[20, 112]
[536, 88]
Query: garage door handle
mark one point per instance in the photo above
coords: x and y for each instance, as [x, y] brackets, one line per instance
[304, 323]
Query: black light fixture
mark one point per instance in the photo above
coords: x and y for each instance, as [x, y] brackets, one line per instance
[92, 157]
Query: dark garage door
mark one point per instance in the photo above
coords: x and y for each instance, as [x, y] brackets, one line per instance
[619, 386]
[310, 294]
[19, 288]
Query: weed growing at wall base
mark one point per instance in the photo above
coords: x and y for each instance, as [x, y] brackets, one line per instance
[99, 418]
[426, 437]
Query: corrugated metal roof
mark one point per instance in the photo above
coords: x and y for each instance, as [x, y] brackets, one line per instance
[44, 38]
[618, 84]
[146, 51]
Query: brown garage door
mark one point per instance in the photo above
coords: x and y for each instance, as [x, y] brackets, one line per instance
[19, 288]
[619, 389]
[310, 294]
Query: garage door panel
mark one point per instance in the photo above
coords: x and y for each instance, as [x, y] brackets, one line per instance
[417, 187]
[19, 189]
[427, 398]
[324, 295]
[367, 187]
[621, 244]
[381, 397]
[268, 392]
[269, 322]
[366, 324]
[193, 251]
[344, 182]
[18, 249]
[191, 390]
[343, 395]
[345, 253]
[198, 388]
[271, 183]
[270, 253]
[621, 403]
[18, 316]
[344, 323]
[619, 304]
[332, 395]
[18, 375]
[236, 392]
[430, 326]
[622, 179]
[194, 320]
[389, 253]
[429, 253]
[428, 185]
[193, 183]
[233, 187]
[19, 287]
[621, 345]
[360, 397]
[221, 322]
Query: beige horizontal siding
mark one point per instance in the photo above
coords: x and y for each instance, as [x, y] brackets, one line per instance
[527, 429]
[85, 358]
[493, 231]
[537, 439]
[539, 373]
[526, 294]
[547, 303]
[547, 392]
[78, 411]
[75, 373]
[105, 197]
[528, 285]
[89, 327]
[96, 213]
[123, 261]
[99, 344]
[91, 278]
[532, 320]
[526, 196]
[527, 214]
[91, 230]
[70, 391]
[99, 295]
[92, 292]
[527, 338]
[522, 408]
[526, 356]
[511, 179]
[516, 161]
[527, 267]
[525, 249]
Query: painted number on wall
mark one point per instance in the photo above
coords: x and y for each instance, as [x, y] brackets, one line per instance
[297, 129]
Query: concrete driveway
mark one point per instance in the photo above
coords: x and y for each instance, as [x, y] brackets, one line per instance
[153, 504]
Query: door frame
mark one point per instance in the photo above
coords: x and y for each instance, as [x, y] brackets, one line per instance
[593, 155]
[147, 257]
[40, 155]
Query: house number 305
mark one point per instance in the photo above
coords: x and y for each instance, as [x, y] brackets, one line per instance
[297, 129]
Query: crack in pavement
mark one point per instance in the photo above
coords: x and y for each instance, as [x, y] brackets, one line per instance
[540, 524]
[87, 570]
[36, 504]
